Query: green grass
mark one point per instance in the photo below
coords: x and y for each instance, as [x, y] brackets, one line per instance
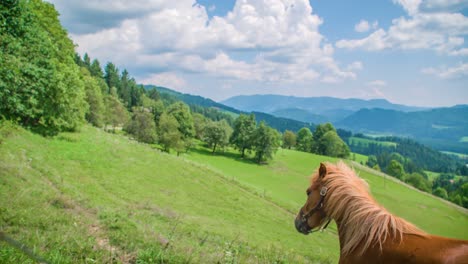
[359, 158]
[94, 197]
[432, 175]
[460, 155]
[285, 180]
[366, 142]
[98, 197]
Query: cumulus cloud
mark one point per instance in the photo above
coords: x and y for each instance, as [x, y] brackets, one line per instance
[458, 71]
[441, 31]
[362, 26]
[278, 40]
[410, 6]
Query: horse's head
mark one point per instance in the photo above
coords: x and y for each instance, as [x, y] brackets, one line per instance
[312, 214]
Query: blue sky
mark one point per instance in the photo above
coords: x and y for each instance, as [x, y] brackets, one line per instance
[411, 52]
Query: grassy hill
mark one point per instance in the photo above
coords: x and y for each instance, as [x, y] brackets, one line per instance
[97, 197]
[285, 180]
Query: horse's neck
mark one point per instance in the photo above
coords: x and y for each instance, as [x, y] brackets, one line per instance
[341, 233]
[355, 218]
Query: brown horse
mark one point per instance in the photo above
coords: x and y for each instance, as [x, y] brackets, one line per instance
[368, 233]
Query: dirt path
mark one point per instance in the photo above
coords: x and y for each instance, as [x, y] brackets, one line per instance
[95, 229]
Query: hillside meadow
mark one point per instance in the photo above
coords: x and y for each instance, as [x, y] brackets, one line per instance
[285, 180]
[94, 197]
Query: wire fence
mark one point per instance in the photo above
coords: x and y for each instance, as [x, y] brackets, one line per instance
[22, 247]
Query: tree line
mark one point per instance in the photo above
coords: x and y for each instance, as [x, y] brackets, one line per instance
[323, 141]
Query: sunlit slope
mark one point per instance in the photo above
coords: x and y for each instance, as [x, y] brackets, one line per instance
[97, 197]
[285, 180]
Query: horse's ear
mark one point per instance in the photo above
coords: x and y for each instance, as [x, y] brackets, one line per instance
[322, 170]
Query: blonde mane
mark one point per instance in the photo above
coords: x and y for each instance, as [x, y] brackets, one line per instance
[362, 220]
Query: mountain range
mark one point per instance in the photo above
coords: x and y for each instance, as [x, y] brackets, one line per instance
[310, 109]
[444, 129]
[441, 128]
[277, 122]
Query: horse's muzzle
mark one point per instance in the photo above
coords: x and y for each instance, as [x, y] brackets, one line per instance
[301, 225]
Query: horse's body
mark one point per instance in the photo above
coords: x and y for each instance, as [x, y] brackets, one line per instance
[368, 232]
[413, 249]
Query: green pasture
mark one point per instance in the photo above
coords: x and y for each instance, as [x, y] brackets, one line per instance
[366, 142]
[460, 155]
[359, 158]
[94, 197]
[432, 175]
[285, 180]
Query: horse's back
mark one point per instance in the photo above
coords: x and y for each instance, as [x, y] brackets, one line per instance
[414, 249]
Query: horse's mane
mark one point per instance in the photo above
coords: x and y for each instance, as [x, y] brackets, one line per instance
[363, 222]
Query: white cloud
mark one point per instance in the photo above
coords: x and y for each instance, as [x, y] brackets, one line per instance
[444, 5]
[362, 26]
[441, 31]
[166, 79]
[212, 8]
[378, 83]
[357, 65]
[458, 71]
[375, 41]
[411, 6]
[460, 52]
[179, 36]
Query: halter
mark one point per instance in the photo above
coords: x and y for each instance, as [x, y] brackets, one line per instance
[317, 207]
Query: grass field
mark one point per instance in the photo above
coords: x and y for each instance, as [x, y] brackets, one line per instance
[460, 155]
[359, 158]
[365, 142]
[285, 180]
[94, 197]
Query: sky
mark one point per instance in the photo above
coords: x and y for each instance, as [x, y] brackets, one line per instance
[411, 52]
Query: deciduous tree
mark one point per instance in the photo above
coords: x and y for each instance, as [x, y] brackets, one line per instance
[94, 98]
[217, 134]
[169, 134]
[40, 85]
[244, 127]
[395, 169]
[304, 139]
[181, 112]
[265, 142]
[289, 139]
[330, 144]
[142, 126]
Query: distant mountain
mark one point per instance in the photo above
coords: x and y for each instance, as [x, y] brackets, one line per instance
[442, 128]
[279, 123]
[301, 115]
[331, 109]
[282, 124]
[193, 99]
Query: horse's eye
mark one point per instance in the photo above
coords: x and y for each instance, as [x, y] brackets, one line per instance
[308, 192]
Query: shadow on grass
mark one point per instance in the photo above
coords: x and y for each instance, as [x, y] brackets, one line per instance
[228, 154]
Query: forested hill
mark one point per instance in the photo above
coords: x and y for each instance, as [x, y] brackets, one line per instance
[441, 124]
[193, 99]
[204, 105]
